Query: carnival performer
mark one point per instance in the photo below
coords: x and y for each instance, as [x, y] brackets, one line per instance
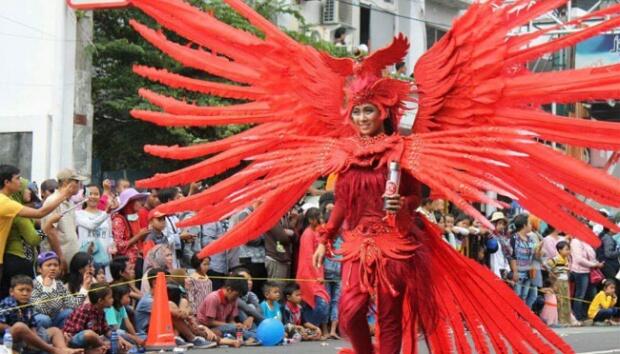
[378, 258]
[478, 127]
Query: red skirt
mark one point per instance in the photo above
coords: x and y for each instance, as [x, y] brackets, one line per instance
[448, 299]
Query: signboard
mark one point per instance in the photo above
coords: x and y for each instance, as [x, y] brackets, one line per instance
[96, 4]
[594, 52]
[598, 51]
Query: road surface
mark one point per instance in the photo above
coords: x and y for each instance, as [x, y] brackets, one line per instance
[585, 340]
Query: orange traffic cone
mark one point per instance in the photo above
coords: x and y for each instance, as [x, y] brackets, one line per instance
[161, 333]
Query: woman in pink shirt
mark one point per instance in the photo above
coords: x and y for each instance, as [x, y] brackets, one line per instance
[313, 293]
[583, 260]
[551, 239]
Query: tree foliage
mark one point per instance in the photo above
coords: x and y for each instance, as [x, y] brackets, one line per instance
[119, 139]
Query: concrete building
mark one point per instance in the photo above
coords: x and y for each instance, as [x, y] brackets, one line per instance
[376, 22]
[45, 108]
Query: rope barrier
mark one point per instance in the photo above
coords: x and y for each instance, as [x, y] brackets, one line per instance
[80, 293]
[509, 282]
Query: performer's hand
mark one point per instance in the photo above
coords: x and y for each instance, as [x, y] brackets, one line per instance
[319, 255]
[394, 203]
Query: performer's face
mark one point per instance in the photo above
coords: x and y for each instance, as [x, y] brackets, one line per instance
[367, 119]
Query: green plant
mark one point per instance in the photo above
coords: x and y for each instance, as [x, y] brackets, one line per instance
[118, 138]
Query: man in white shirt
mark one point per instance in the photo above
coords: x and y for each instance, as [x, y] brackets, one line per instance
[62, 236]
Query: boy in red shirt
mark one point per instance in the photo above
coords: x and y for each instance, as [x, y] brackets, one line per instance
[219, 311]
[87, 326]
[292, 317]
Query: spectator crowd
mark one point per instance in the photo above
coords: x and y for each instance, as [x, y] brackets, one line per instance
[79, 262]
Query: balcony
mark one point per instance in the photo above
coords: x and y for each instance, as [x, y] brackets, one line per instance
[457, 4]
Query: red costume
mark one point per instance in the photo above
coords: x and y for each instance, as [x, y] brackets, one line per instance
[478, 128]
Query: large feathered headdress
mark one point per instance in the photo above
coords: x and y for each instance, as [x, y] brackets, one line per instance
[367, 84]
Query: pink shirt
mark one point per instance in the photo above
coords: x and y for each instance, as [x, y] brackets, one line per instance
[583, 256]
[216, 307]
[548, 247]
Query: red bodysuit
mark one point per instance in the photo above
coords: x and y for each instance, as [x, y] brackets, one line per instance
[378, 259]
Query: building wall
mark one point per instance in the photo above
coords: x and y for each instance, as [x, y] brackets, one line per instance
[38, 82]
[83, 107]
[388, 18]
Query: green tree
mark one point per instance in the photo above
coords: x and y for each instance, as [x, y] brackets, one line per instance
[119, 139]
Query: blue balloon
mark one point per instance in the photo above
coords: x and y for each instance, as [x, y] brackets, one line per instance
[270, 331]
[492, 245]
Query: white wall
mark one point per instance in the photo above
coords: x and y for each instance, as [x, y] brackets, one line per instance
[37, 65]
[382, 29]
[440, 14]
[414, 30]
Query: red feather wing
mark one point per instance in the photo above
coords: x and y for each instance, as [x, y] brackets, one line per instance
[476, 77]
[286, 89]
[464, 164]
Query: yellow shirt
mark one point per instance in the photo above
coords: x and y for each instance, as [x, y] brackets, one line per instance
[8, 211]
[330, 185]
[600, 302]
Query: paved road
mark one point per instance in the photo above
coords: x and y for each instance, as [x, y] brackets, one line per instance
[585, 340]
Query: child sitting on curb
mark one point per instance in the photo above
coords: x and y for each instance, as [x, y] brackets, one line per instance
[294, 322]
[20, 322]
[53, 302]
[271, 305]
[87, 327]
[602, 307]
[116, 315]
[219, 312]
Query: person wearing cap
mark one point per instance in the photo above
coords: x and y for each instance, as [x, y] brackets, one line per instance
[157, 225]
[53, 302]
[126, 230]
[62, 236]
[497, 260]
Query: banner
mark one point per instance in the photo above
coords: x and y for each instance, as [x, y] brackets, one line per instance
[598, 51]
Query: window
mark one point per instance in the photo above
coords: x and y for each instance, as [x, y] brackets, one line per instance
[364, 24]
[433, 35]
[16, 150]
